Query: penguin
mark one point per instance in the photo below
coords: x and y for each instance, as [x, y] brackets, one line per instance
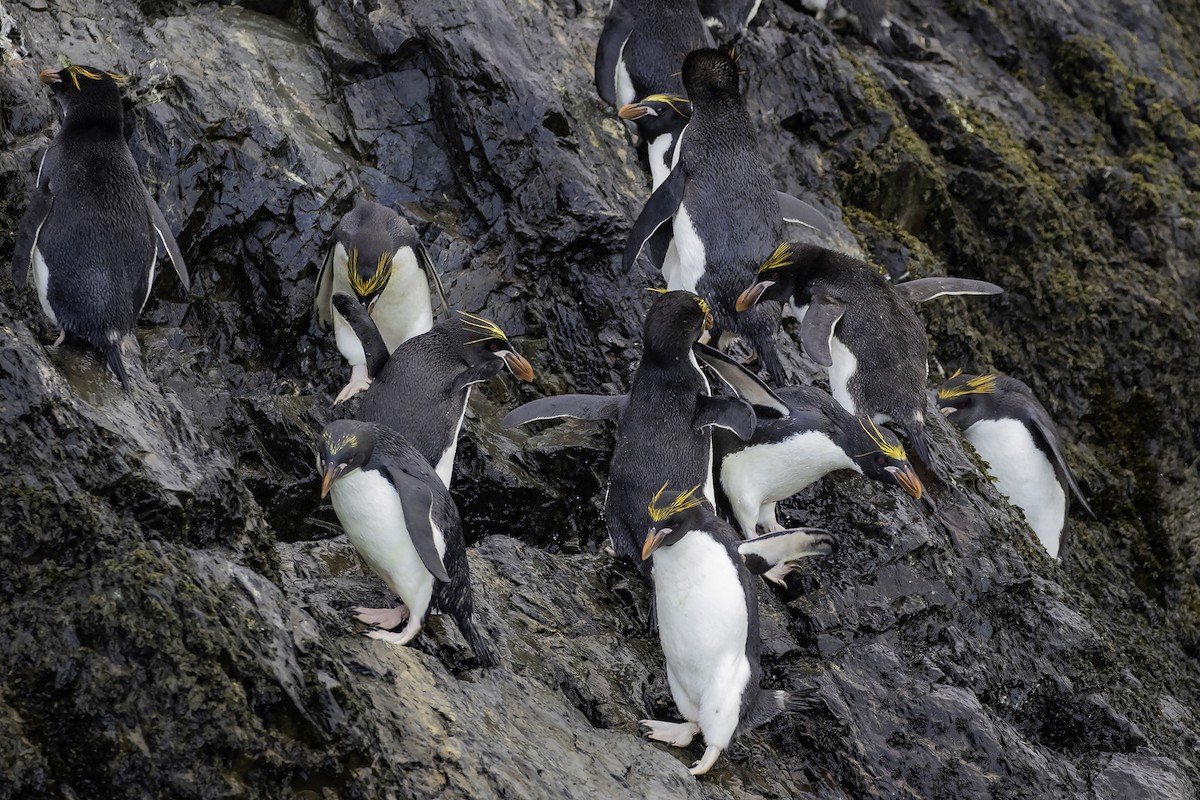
[862, 328]
[637, 61]
[1012, 431]
[665, 419]
[710, 638]
[725, 214]
[401, 519]
[729, 19]
[421, 389]
[91, 231]
[376, 257]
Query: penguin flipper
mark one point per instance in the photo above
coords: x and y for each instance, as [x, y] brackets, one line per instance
[816, 332]
[747, 385]
[617, 27]
[575, 406]
[112, 354]
[374, 348]
[798, 212]
[772, 549]
[432, 274]
[168, 240]
[732, 413]
[659, 209]
[417, 502]
[40, 203]
[322, 302]
[923, 289]
[1045, 427]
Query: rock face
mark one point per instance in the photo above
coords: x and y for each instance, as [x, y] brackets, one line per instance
[174, 605]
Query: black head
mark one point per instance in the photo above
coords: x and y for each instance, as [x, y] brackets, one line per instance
[345, 446]
[86, 93]
[479, 340]
[966, 399]
[686, 512]
[368, 270]
[657, 114]
[673, 325]
[880, 456]
[776, 279]
[710, 73]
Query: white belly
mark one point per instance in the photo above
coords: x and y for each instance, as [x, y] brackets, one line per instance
[1023, 475]
[41, 279]
[710, 493]
[623, 83]
[690, 250]
[702, 621]
[445, 465]
[767, 473]
[370, 512]
[403, 309]
[658, 151]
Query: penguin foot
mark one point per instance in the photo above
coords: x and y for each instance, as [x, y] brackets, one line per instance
[352, 388]
[778, 574]
[705, 764]
[676, 734]
[382, 617]
[62, 337]
[403, 637]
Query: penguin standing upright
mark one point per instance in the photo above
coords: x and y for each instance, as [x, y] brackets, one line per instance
[1012, 431]
[401, 519]
[378, 258]
[421, 390]
[726, 216]
[662, 424]
[637, 58]
[91, 230]
[862, 328]
[708, 621]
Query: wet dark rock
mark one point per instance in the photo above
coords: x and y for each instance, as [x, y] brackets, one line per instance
[175, 604]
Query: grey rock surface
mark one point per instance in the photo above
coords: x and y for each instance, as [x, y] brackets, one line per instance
[175, 604]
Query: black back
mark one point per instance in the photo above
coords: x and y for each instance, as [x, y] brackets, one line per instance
[422, 389]
[730, 197]
[656, 438]
[657, 35]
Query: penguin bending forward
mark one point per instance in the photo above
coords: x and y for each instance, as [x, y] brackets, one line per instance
[377, 258]
[421, 389]
[91, 231]
[1012, 431]
[401, 519]
[663, 424]
[710, 638]
[862, 328]
[724, 213]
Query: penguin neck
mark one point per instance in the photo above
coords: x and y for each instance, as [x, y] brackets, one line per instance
[93, 118]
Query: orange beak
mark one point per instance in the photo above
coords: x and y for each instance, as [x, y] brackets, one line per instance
[653, 540]
[49, 76]
[632, 111]
[748, 298]
[326, 482]
[517, 365]
[708, 322]
[908, 480]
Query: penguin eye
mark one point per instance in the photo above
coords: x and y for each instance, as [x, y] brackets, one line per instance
[881, 459]
[493, 345]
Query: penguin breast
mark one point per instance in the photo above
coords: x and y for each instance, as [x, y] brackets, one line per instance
[369, 509]
[702, 612]
[1024, 475]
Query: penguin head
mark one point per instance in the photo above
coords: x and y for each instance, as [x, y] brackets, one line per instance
[345, 446]
[966, 399]
[480, 339]
[710, 73]
[368, 270]
[657, 114]
[674, 323]
[880, 456]
[86, 93]
[776, 279]
[673, 520]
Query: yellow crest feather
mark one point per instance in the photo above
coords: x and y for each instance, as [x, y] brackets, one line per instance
[980, 384]
[780, 258]
[892, 451]
[670, 100]
[364, 287]
[681, 503]
[75, 71]
[484, 326]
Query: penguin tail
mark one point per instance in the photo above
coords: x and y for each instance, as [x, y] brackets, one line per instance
[483, 651]
[806, 699]
[112, 354]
